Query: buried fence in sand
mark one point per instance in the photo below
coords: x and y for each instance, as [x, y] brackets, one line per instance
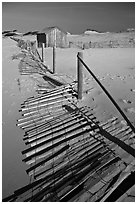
[71, 156]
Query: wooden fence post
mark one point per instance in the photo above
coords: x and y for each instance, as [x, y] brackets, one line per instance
[54, 58]
[80, 75]
[43, 52]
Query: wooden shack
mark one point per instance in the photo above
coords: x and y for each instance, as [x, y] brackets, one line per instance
[52, 36]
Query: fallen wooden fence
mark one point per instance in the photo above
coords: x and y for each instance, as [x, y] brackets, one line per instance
[68, 149]
[71, 155]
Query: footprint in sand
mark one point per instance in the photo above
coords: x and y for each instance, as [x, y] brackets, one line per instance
[111, 78]
[102, 79]
[99, 92]
[125, 101]
[12, 94]
[123, 122]
[130, 110]
[122, 78]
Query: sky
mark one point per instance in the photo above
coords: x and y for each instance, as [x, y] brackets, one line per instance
[73, 17]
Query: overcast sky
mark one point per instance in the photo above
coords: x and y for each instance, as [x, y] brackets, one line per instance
[72, 17]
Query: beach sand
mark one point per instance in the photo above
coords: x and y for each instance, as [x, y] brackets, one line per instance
[115, 68]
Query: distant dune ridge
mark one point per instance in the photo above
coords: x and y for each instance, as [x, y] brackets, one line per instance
[90, 38]
[96, 39]
[90, 31]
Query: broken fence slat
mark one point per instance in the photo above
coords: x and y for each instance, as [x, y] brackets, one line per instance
[120, 143]
[49, 158]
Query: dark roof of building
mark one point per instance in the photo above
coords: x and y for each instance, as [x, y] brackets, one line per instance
[48, 29]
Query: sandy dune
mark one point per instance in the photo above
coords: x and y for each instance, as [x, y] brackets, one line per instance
[115, 68]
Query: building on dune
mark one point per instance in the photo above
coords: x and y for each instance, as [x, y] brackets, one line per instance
[52, 36]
